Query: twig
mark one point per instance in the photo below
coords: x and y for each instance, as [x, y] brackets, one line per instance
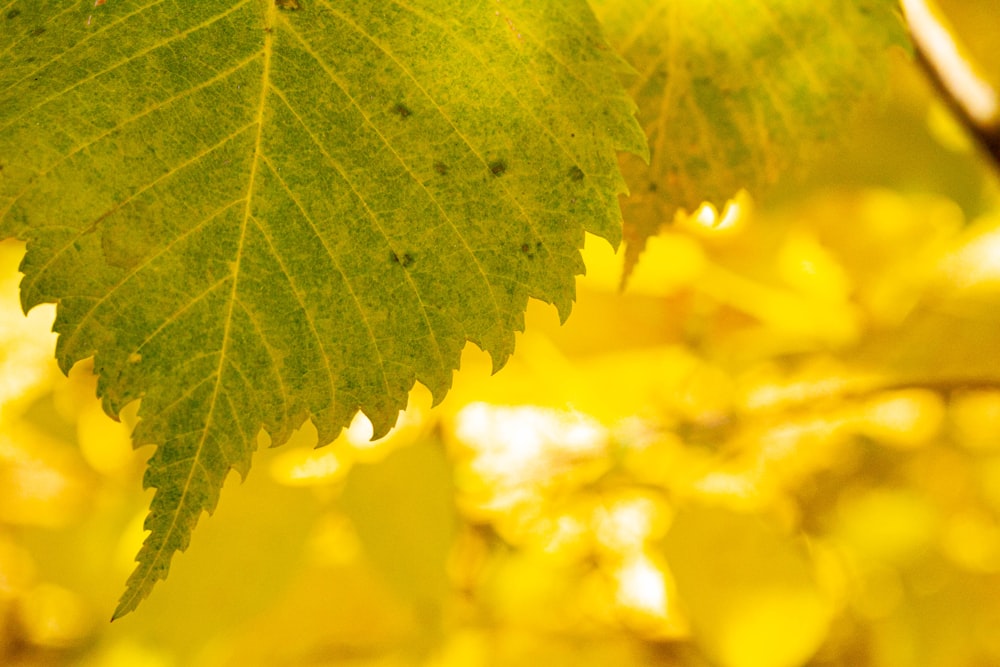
[955, 76]
[987, 137]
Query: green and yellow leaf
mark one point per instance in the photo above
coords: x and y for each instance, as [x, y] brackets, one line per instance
[257, 212]
[733, 94]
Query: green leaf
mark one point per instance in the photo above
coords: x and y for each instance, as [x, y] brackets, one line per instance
[734, 93]
[255, 213]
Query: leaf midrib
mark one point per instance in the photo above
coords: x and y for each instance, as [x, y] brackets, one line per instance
[129, 602]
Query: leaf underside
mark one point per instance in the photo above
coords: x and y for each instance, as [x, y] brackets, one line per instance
[255, 213]
[736, 93]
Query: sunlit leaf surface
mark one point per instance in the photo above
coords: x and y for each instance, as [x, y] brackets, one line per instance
[255, 213]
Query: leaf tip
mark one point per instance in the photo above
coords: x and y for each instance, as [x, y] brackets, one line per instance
[128, 603]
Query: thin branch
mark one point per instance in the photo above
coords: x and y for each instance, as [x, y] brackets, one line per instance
[987, 137]
[954, 73]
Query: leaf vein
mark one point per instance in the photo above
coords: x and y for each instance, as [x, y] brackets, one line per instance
[399, 158]
[298, 295]
[371, 215]
[163, 411]
[285, 398]
[145, 112]
[121, 63]
[28, 285]
[173, 317]
[70, 7]
[145, 263]
[347, 283]
[499, 76]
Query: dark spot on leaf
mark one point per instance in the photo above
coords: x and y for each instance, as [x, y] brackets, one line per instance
[404, 260]
[13, 14]
[441, 168]
[652, 187]
[402, 110]
[498, 168]
[288, 5]
[36, 32]
[575, 173]
[531, 250]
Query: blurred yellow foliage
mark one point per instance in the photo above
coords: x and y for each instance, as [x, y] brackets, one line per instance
[782, 475]
[779, 446]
